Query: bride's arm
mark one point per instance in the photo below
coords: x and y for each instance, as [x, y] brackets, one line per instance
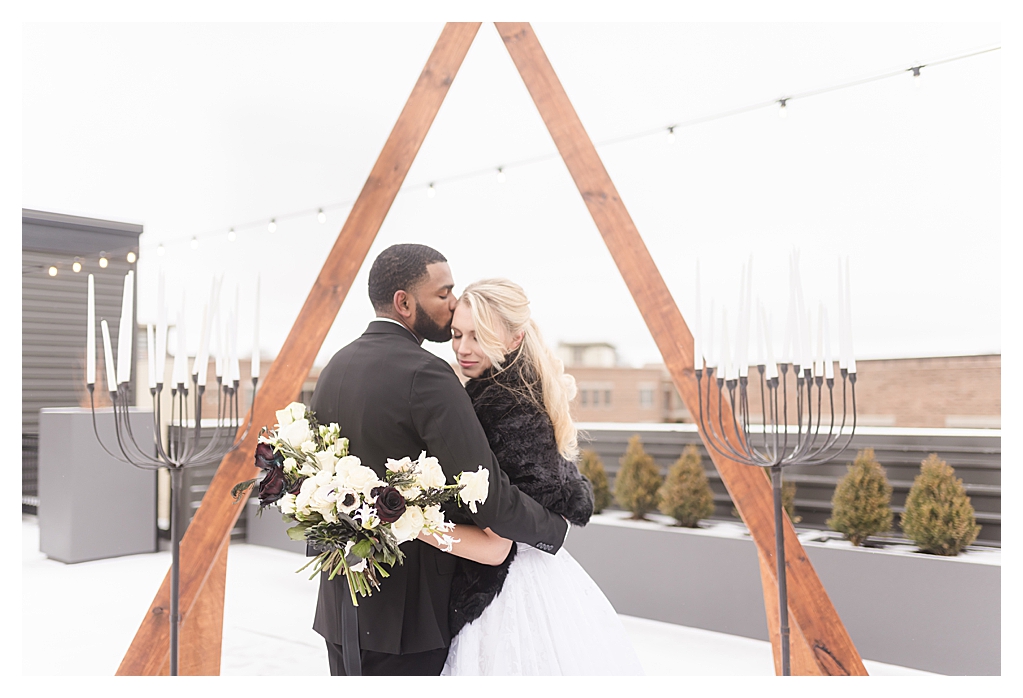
[478, 544]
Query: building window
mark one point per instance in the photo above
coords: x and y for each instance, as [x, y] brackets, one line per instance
[646, 398]
[607, 398]
[596, 398]
[582, 397]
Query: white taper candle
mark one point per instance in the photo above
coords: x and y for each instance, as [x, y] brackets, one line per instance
[829, 365]
[124, 333]
[150, 357]
[697, 328]
[818, 366]
[255, 336]
[108, 358]
[851, 360]
[161, 331]
[772, 367]
[90, 335]
[841, 318]
[712, 359]
[727, 365]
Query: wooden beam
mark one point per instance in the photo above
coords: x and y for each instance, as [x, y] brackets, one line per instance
[809, 606]
[208, 532]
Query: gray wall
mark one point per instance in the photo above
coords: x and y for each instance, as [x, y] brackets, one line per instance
[935, 614]
[53, 315]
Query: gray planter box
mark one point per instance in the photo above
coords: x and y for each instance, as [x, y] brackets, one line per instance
[941, 615]
[92, 506]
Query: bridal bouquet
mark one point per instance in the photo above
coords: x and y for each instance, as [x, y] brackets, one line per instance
[343, 508]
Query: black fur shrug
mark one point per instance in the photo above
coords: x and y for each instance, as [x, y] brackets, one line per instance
[521, 435]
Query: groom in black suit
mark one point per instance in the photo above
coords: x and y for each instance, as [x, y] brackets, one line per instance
[393, 399]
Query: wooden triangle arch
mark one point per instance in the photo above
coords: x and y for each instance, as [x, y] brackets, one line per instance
[819, 641]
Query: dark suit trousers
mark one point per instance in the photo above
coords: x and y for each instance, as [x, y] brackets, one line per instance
[383, 664]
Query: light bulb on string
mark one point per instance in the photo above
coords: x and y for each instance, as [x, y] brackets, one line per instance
[500, 175]
[131, 257]
[321, 216]
[430, 191]
[916, 75]
[195, 243]
[781, 107]
[272, 226]
[103, 260]
[671, 135]
[77, 266]
[160, 250]
[231, 235]
[52, 271]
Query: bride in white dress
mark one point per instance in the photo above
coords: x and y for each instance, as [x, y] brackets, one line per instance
[518, 610]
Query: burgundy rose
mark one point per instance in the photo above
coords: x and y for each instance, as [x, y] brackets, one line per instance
[271, 487]
[298, 485]
[390, 505]
[266, 459]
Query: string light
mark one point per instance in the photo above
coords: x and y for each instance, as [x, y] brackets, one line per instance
[77, 266]
[670, 136]
[160, 250]
[195, 243]
[131, 257]
[231, 235]
[53, 271]
[103, 260]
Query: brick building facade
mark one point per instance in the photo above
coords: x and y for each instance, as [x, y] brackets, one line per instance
[950, 391]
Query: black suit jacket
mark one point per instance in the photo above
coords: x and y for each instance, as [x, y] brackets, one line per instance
[392, 399]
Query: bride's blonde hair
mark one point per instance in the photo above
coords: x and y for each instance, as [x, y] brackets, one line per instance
[499, 303]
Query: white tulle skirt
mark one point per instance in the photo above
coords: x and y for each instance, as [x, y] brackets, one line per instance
[549, 619]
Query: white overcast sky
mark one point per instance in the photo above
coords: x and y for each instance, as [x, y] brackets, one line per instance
[192, 128]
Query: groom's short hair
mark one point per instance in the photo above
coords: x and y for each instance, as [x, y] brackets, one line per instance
[399, 268]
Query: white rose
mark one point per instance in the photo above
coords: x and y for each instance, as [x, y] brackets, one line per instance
[326, 460]
[296, 433]
[287, 504]
[430, 473]
[399, 465]
[475, 487]
[409, 525]
[362, 479]
[410, 493]
[292, 413]
[308, 467]
[433, 518]
[290, 465]
[305, 492]
[341, 447]
[308, 447]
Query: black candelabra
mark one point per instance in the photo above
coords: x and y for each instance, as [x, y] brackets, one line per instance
[178, 451]
[820, 434]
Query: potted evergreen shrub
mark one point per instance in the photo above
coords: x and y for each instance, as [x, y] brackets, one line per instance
[638, 480]
[938, 516]
[861, 505]
[592, 469]
[686, 495]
